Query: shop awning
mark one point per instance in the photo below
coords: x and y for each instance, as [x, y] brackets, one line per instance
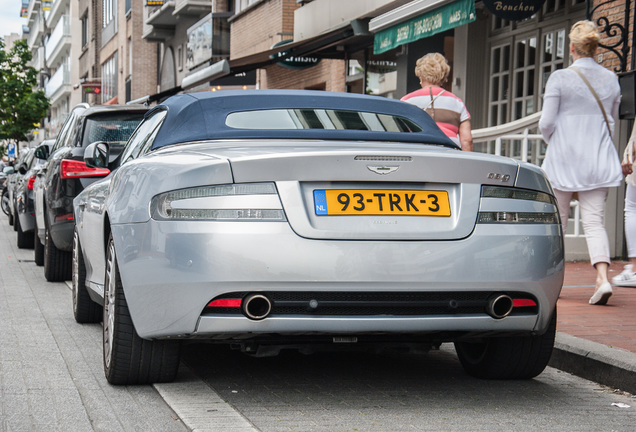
[435, 16]
[332, 44]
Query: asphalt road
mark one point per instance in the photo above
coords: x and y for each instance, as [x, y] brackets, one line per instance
[51, 378]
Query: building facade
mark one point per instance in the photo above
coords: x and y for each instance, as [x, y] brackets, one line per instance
[61, 51]
[127, 64]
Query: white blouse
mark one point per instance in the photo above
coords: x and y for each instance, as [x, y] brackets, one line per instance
[580, 155]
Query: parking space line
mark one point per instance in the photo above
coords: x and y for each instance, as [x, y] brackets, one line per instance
[199, 407]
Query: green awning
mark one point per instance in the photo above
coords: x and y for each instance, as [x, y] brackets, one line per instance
[441, 19]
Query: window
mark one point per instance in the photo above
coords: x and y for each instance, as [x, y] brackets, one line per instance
[319, 119]
[130, 56]
[519, 71]
[67, 128]
[85, 30]
[108, 12]
[143, 137]
[553, 52]
[109, 78]
[525, 65]
[241, 5]
[112, 128]
[499, 85]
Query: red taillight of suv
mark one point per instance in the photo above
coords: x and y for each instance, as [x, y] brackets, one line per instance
[76, 169]
[30, 182]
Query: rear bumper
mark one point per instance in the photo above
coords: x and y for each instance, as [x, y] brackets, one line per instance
[171, 270]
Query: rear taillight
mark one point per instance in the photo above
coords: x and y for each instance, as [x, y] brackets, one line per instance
[75, 169]
[31, 182]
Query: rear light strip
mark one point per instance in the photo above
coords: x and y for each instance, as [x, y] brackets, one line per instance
[65, 217]
[520, 302]
[77, 169]
[225, 303]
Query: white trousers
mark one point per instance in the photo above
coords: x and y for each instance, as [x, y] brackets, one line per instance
[630, 220]
[592, 205]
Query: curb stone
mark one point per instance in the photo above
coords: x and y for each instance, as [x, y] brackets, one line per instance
[595, 362]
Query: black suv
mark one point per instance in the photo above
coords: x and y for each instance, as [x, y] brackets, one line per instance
[65, 175]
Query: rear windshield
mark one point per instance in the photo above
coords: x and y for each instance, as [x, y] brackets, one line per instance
[114, 128]
[320, 119]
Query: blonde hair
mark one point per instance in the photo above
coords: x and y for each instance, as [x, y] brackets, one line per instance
[432, 68]
[585, 38]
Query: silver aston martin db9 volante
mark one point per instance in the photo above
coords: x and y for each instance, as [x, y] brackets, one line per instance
[274, 219]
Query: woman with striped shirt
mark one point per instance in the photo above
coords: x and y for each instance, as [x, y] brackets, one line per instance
[448, 111]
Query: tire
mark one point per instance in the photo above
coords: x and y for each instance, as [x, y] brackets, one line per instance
[15, 221]
[38, 248]
[85, 310]
[57, 263]
[129, 359]
[5, 205]
[521, 357]
[25, 240]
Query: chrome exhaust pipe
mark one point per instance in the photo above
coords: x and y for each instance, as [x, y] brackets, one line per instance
[256, 306]
[499, 306]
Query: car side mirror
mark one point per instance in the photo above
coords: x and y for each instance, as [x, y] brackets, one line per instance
[96, 155]
[8, 170]
[42, 152]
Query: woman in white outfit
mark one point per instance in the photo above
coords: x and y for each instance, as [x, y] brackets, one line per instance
[581, 156]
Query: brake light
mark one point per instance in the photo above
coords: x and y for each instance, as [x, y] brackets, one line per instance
[233, 303]
[76, 169]
[523, 303]
[31, 182]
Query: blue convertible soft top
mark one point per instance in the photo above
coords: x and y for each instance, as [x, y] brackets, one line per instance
[202, 116]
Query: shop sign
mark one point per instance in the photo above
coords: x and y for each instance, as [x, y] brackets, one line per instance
[381, 66]
[514, 10]
[24, 11]
[91, 88]
[46, 5]
[436, 21]
[294, 62]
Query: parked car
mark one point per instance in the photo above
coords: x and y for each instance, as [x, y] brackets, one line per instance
[6, 208]
[64, 175]
[23, 197]
[271, 219]
[20, 167]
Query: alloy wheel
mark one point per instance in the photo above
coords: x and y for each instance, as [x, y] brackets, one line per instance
[75, 271]
[109, 305]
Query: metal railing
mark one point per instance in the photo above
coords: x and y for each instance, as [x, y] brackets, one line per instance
[515, 140]
[60, 35]
[61, 78]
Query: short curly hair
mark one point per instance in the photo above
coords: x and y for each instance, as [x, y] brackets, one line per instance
[585, 37]
[432, 68]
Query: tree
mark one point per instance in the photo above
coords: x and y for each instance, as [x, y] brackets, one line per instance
[20, 106]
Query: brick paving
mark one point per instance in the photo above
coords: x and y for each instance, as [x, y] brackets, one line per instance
[613, 324]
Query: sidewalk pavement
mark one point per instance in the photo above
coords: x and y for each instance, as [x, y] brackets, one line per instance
[596, 342]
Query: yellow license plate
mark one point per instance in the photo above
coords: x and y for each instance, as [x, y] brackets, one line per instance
[339, 202]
